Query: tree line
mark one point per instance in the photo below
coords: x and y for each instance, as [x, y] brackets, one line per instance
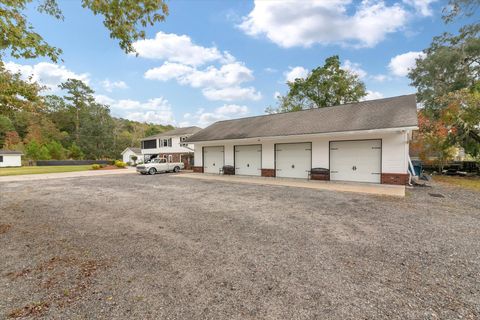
[73, 125]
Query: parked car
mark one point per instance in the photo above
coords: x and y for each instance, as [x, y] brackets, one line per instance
[159, 165]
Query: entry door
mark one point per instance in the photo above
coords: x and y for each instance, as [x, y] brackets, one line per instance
[293, 160]
[248, 160]
[212, 159]
[356, 160]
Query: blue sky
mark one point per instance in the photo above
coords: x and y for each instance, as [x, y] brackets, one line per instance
[214, 60]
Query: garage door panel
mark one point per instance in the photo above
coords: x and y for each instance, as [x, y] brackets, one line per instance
[293, 160]
[213, 159]
[356, 160]
[248, 160]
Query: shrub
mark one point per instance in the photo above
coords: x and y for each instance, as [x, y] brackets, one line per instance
[120, 164]
[96, 166]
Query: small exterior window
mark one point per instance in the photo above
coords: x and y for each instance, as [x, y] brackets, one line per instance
[170, 158]
[1, 158]
[149, 144]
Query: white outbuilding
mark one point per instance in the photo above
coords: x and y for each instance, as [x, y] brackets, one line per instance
[363, 142]
[130, 152]
[10, 158]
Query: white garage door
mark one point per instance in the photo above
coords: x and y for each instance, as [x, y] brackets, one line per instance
[356, 160]
[248, 160]
[212, 159]
[293, 160]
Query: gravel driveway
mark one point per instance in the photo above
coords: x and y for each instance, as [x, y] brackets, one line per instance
[160, 247]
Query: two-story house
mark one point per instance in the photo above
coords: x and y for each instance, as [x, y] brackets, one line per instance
[170, 145]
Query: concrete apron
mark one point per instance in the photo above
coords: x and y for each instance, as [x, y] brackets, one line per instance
[357, 187]
[60, 175]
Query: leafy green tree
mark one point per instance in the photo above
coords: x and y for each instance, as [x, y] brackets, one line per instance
[32, 150]
[134, 158]
[17, 95]
[460, 9]
[6, 125]
[55, 150]
[80, 97]
[451, 63]
[324, 86]
[74, 152]
[43, 153]
[125, 19]
[447, 79]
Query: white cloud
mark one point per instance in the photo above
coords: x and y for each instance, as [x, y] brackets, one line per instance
[380, 77]
[232, 94]
[295, 73]
[179, 48]
[111, 85]
[372, 95]
[421, 6]
[276, 95]
[157, 110]
[169, 71]
[354, 68]
[232, 109]
[103, 99]
[270, 70]
[227, 75]
[183, 62]
[158, 117]
[202, 118]
[304, 23]
[217, 83]
[45, 73]
[401, 64]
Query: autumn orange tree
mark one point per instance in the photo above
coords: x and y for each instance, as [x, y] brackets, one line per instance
[433, 140]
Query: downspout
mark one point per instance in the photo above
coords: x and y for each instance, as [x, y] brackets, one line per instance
[411, 172]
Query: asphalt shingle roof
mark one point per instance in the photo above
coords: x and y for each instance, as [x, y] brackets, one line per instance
[175, 132]
[4, 152]
[136, 150]
[385, 113]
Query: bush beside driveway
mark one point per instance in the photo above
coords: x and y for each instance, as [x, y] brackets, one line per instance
[131, 246]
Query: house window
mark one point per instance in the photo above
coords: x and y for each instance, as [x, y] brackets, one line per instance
[169, 158]
[149, 144]
[1, 158]
[166, 142]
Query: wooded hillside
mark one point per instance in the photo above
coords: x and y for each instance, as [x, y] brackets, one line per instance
[71, 126]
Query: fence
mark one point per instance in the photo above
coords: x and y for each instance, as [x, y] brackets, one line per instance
[71, 162]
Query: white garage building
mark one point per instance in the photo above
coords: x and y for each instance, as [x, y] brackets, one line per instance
[10, 158]
[365, 142]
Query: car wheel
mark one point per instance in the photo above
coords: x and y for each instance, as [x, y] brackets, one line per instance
[152, 171]
[176, 169]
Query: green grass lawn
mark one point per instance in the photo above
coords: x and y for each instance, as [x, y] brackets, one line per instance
[472, 183]
[36, 170]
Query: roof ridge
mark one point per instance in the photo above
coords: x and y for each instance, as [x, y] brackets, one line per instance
[317, 108]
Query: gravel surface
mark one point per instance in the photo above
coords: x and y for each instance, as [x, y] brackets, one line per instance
[160, 247]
